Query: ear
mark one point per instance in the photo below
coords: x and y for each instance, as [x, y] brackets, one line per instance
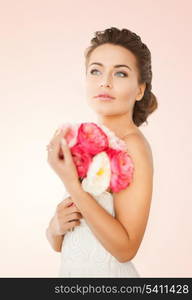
[140, 94]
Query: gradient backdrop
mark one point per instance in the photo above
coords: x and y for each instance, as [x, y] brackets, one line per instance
[42, 84]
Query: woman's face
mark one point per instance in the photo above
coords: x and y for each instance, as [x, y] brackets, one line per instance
[102, 77]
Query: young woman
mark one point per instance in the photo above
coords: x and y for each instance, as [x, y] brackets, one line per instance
[99, 236]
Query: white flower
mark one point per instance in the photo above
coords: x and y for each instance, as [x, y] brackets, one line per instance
[98, 175]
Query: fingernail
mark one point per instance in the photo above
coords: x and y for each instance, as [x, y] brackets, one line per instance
[58, 131]
[63, 141]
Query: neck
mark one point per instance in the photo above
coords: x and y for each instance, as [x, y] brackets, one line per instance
[121, 125]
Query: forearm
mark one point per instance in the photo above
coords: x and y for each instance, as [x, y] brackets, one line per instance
[54, 240]
[108, 230]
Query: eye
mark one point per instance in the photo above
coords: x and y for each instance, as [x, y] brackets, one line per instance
[125, 75]
[93, 71]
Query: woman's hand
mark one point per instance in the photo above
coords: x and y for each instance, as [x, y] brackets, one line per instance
[61, 160]
[66, 217]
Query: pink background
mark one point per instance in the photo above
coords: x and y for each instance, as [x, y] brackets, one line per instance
[42, 83]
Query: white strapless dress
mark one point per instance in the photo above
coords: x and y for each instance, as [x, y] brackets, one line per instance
[83, 255]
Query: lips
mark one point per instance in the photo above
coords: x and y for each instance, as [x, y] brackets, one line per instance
[105, 96]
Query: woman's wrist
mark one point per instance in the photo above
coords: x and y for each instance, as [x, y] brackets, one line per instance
[74, 188]
[51, 228]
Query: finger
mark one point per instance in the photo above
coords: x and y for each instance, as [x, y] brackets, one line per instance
[65, 130]
[72, 224]
[66, 150]
[67, 207]
[60, 132]
[56, 146]
[67, 226]
[71, 209]
[73, 217]
[65, 203]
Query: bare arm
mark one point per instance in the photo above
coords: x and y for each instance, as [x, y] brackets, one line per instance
[54, 239]
[122, 235]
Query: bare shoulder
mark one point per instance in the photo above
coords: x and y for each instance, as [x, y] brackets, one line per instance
[139, 147]
[132, 204]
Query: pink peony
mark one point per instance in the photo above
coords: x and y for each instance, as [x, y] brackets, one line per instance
[86, 141]
[82, 160]
[121, 169]
[92, 138]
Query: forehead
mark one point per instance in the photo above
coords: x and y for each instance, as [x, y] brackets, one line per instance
[109, 55]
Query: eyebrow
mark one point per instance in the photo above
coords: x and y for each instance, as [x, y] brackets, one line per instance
[116, 66]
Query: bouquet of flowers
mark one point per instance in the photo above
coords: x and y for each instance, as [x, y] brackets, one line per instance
[100, 157]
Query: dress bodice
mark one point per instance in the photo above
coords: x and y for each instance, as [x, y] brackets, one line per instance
[83, 255]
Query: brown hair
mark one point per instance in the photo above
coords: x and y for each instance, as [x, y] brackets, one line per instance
[132, 42]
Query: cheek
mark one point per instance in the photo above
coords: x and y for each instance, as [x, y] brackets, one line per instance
[126, 91]
[124, 95]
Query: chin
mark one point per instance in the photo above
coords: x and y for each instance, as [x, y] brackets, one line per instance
[104, 110]
[105, 113]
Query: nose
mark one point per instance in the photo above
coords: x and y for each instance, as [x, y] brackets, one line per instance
[106, 83]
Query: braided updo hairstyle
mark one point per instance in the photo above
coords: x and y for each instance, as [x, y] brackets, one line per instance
[133, 43]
